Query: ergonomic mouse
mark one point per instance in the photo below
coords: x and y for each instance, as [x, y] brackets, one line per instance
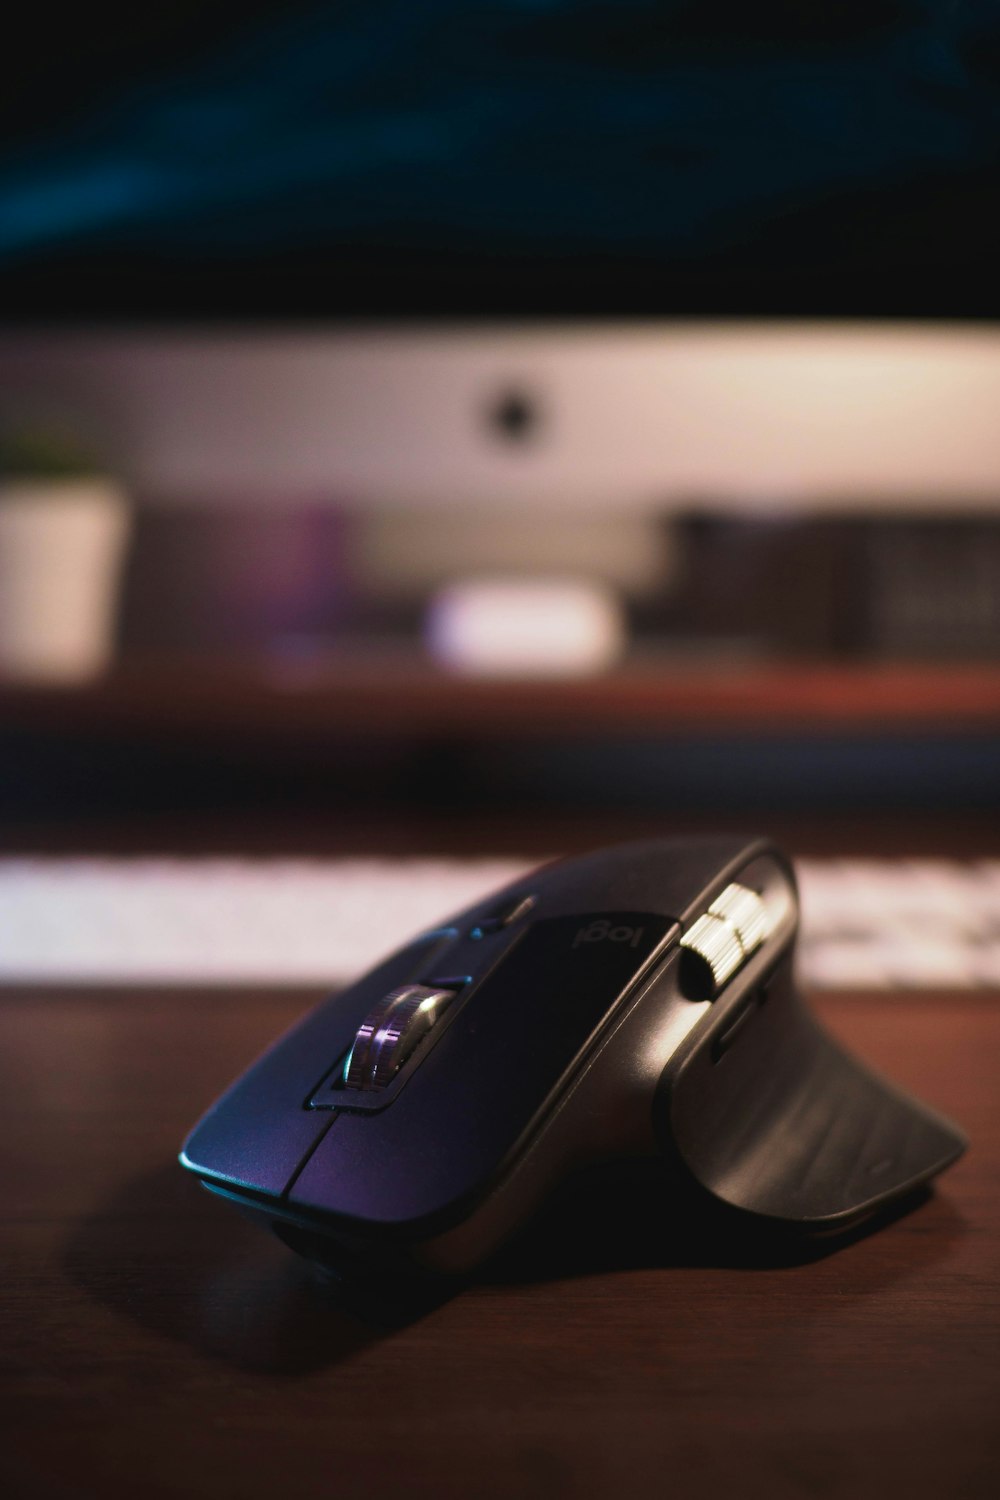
[638, 1002]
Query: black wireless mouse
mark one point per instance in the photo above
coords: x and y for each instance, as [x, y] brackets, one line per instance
[637, 1002]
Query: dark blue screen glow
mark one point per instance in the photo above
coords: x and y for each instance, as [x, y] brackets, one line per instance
[570, 155]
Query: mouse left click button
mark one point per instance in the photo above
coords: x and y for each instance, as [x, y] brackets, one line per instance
[391, 1033]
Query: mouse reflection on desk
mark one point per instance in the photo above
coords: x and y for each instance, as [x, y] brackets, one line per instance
[635, 1003]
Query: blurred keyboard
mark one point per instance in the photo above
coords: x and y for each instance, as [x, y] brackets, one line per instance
[899, 924]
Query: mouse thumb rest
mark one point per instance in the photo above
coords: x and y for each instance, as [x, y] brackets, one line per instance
[766, 1111]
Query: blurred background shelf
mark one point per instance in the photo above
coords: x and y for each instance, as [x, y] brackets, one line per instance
[410, 700]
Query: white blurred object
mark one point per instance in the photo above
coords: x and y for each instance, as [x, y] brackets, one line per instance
[866, 924]
[61, 549]
[225, 921]
[526, 627]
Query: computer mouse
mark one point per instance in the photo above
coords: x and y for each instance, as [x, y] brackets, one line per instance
[638, 1002]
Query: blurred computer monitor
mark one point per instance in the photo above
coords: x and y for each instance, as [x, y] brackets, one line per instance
[568, 254]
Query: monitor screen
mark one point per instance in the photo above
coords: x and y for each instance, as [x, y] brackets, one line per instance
[522, 158]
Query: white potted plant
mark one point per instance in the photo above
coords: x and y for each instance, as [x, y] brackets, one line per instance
[63, 529]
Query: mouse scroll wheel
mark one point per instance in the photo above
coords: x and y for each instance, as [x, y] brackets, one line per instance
[391, 1033]
[720, 941]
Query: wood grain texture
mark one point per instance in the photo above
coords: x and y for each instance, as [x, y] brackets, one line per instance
[155, 1344]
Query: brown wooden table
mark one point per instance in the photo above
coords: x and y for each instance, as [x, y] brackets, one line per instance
[155, 1344]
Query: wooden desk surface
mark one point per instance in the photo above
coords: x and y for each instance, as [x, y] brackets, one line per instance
[155, 1344]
